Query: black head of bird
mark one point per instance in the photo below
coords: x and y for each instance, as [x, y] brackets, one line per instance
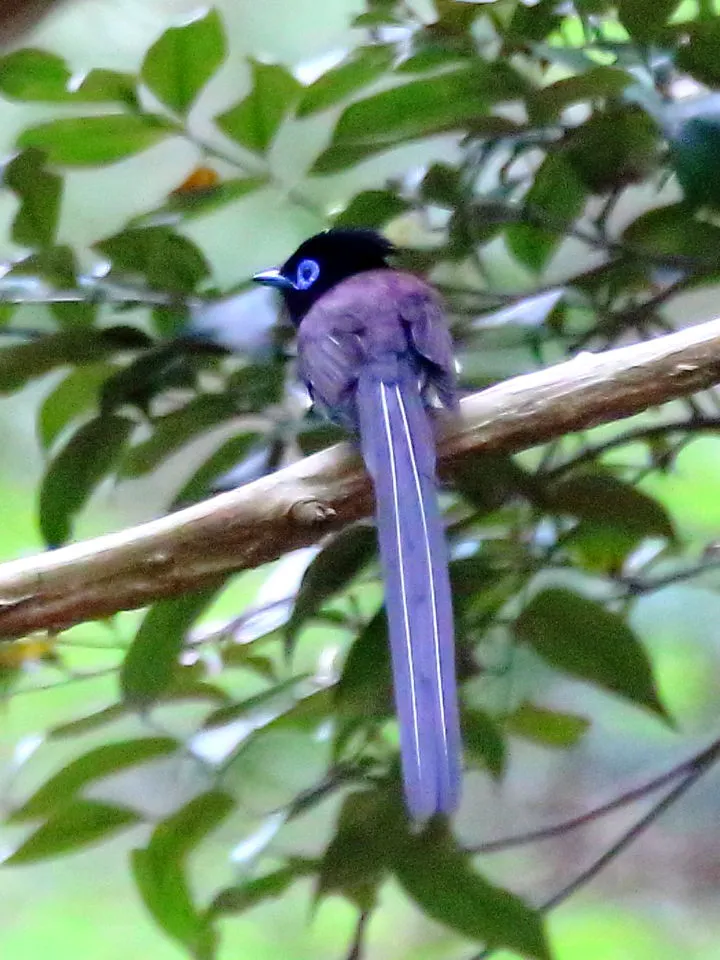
[322, 262]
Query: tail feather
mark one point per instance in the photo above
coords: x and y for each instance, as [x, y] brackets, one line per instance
[400, 455]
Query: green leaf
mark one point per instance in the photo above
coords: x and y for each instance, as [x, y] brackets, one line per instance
[488, 480]
[93, 766]
[583, 639]
[614, 148]
[40, 193]
[27, 361]
[357, 858]
[555, 199]
[89, 723]
[373, 209]
[549, 728]
[235, 900]
[152, 658]
[95, 141]
[365, 688]
[179, 64]
[163, 257]
[440, 878]
[418, 109]
[332, 569]
[254, 121]
[599, 496]
[673, 230]
[546, 105]
[700, 56]
[227, 455]
[644, 19]
[359, 69]
[82, 463]
[172, 431]
[71, 398]
[77, 825]
[161, 875]
[37, 75]
[483, 740]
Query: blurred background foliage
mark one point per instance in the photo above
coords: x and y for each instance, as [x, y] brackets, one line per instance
[204, 778]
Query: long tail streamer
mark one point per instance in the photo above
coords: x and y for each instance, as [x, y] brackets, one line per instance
[399, 452]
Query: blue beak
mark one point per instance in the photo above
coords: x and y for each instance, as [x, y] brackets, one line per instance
[273, 278]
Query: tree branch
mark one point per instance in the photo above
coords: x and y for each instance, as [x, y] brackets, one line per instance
[297, 506]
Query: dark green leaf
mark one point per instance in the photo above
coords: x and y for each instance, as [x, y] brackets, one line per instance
[359, 69]
[614, 148]
[582, 638]
[161, 875]
[488, 480]
[442, 185]
[254, 121]
[421, 108]
[372, 208]
[72, 398]
[71, 477]
[88, 769]
[674, 231]
[546, 105]
[700, 56]
[357, 857]
[57, 265]
[238, 899]
[77, 825]
[166, 259]
[546, 727]
[183, 59]
[176, 837]
[37, 75]
[334, 567]
[151, 660]
[76, 314]
[27, 361]
[174, 430]
[228, 455]
[442, 881]
[94, 141]
[599, 496]
[364, 688]
[645, 19]
[39, 193]
[554, 201]
[483, 740]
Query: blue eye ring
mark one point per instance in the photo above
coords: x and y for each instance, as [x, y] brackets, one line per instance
[307, 273]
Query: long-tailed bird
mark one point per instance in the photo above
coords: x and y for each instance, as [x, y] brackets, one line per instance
[373, 349]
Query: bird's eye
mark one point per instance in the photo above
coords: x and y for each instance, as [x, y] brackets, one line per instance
[307, 273]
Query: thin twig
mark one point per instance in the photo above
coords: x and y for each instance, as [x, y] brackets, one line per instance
[617, 803]
[357, 948]
[689, 426]
[698, 766]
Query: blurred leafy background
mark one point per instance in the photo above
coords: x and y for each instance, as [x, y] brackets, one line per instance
[553, 167]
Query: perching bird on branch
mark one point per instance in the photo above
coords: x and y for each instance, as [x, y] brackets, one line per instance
[374, 349]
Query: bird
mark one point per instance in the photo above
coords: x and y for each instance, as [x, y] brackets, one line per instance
[375, 353]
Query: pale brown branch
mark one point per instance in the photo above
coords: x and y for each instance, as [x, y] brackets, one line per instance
[299, 505]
